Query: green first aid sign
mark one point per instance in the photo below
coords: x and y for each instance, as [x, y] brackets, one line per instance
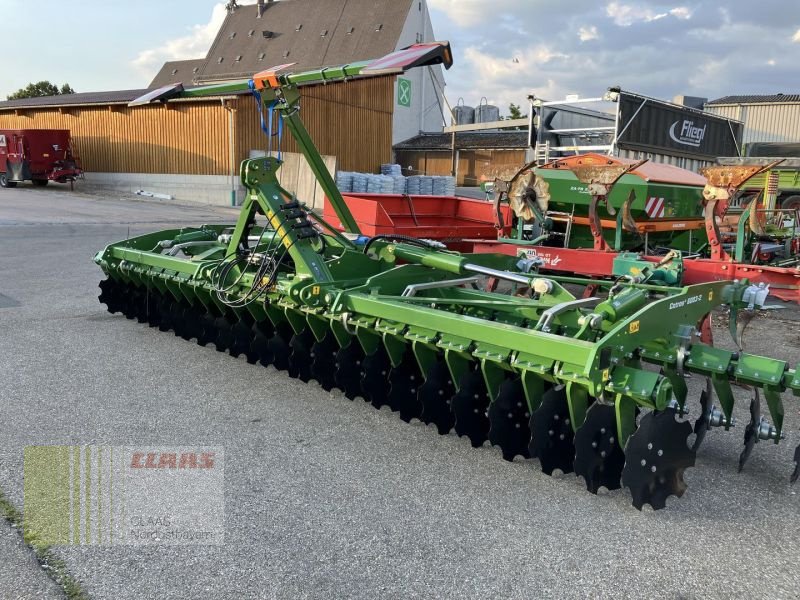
[403, 92]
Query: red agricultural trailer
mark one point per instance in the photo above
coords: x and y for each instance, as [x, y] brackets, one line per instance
[37, 155]
[456, 220]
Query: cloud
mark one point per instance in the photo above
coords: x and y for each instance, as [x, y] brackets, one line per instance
[467, 13]
[681, 12]
[660, 48]
[626, 15]
[586, 34]
[193, 45]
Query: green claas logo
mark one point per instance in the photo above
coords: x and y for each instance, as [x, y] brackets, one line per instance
[403, 92]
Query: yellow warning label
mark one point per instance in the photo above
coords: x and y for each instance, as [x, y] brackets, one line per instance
[606, 375]
[711, 296]
[315, 290]
[634, 327]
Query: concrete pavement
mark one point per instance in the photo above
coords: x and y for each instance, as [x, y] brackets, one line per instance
[330, 498]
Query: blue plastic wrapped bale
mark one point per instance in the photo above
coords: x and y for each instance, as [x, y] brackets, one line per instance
[344, 181]
[387, 184]
[414, 185]
[399, 185]
[373, 184]
[426, 186]
[439, 186]
[359, 183]
[444, 186]
[391, 170]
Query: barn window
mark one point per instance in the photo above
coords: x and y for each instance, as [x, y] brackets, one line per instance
[219, 60]
[174, 71]
[251, 33]
[299, 27]
[233, 34]
[379, 27]
[324, 33]
[239, 58]
[351, 30]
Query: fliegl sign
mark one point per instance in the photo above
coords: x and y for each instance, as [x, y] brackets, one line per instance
[656, 127]
[684, 132]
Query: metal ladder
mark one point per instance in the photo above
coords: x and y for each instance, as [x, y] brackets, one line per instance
[541, 153]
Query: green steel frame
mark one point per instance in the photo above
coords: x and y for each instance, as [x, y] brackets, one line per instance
[407, 298]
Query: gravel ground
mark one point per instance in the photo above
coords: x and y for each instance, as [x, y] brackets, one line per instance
[330, 498]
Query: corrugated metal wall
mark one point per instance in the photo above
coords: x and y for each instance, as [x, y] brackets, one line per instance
[764, 122]
[352, 121]
[185, 138]
[666, 159]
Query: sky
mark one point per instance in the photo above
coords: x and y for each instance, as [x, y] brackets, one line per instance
[503, 50]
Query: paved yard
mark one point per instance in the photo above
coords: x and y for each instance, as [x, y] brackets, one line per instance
[329, 498]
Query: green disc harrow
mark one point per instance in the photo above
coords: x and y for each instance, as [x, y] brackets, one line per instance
[591, 385]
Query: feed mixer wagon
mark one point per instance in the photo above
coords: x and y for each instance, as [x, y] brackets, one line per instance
[595, 386]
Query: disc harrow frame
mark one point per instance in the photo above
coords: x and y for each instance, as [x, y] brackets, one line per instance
[400, 323]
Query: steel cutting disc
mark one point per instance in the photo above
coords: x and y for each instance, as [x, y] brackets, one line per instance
[323, 362]
[300, 356]
[469, 407]
[375, 378]
[348, 369]
[701, 425]
[751, 431]
[259, 343]
[599, 459]
[656, 456]
[508, 420]
[404, 382]
[552, 437]
[436, 395]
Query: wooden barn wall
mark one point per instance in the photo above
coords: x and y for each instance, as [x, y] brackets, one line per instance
[473, 165]
[182, 138]
[351, 121]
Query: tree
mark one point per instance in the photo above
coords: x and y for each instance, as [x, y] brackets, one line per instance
[39, 89]
[515, 112]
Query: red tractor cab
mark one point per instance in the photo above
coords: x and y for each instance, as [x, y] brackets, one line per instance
[37, 155]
